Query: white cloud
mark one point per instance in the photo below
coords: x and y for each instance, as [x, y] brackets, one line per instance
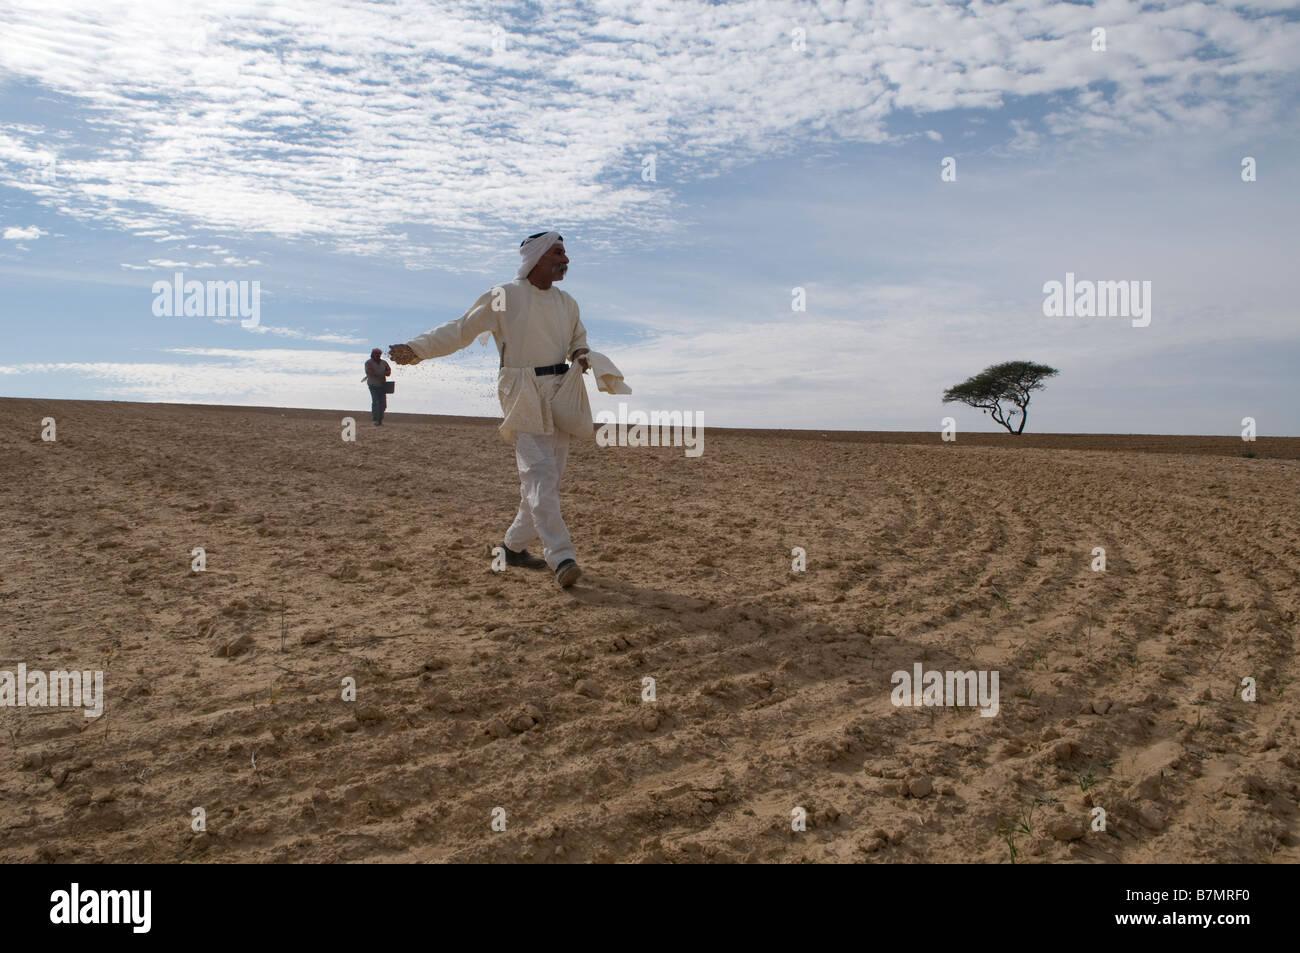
[15, 234]
[370, 125]
[295, 333]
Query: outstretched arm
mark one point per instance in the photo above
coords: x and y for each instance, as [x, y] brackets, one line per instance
[451, 337]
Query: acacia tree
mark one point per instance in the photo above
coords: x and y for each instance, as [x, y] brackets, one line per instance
[1011, 382]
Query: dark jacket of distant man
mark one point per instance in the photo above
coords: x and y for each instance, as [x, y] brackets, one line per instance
[376, 370]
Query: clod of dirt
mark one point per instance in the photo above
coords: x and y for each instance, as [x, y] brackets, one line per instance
[234, 647]
[527, 718]
[1062, 751]
[1066, 828]
[441, 698]
[1248, 785]
[920, 787]
[1151, 818]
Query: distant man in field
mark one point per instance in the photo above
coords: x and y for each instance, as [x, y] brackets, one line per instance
[536, 327]
[377, 369]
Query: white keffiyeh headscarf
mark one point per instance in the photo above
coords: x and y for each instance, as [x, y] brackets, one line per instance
[532, 250]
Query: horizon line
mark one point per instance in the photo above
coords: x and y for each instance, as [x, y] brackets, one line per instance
[717, 427]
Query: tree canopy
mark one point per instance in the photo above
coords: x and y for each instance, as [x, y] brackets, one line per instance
[1010, 382]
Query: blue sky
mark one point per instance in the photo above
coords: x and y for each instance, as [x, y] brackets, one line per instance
[374, 166]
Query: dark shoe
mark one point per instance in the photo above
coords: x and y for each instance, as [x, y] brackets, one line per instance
[522, 558]
[567, 573]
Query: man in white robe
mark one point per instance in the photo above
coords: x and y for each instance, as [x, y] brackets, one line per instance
[536, 327]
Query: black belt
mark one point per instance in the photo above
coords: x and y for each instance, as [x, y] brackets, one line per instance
[553, 369]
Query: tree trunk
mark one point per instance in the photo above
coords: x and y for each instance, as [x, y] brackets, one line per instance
[1001, 418]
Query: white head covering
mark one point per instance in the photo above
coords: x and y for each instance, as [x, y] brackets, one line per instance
[532, 251]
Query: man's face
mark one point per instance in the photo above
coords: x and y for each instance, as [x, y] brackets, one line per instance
[555, 262]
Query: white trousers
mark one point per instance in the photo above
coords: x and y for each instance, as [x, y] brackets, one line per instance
[541, 460]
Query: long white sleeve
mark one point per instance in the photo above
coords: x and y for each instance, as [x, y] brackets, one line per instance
[454, 335]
